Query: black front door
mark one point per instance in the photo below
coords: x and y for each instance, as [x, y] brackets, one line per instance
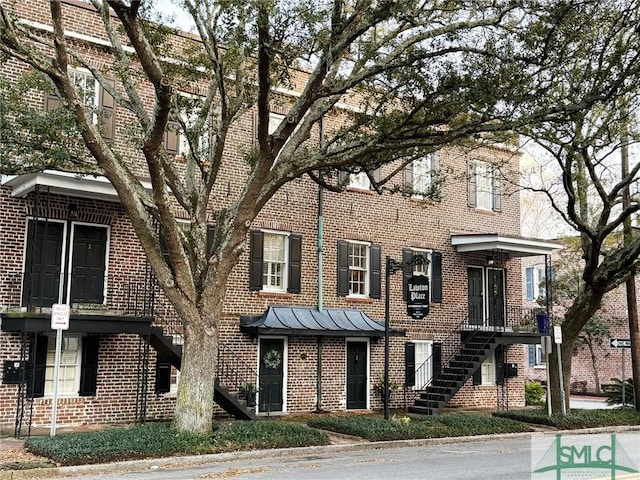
[356, 375]
[271, 372]
[41, 287]
[476, 301]
[88, 264]
[495, 297]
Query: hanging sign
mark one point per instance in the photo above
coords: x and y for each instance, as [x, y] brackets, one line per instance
[418, 296]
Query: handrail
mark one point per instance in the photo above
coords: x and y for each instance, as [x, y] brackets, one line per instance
[238, 374]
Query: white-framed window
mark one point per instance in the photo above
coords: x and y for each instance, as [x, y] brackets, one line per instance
[189, 107]
[484, 187]
[535, 282]
[69, 373]
[358, 269]
[86, 85]
[423, 363]
[422, 175]
[275, 119]
[274, 264]
[359, 181]
[425, 268]
[488, 370]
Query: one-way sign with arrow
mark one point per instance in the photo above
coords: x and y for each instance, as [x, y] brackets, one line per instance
[620, 342]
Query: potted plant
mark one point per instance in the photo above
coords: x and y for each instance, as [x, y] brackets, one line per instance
[248, 391]
[379, 387]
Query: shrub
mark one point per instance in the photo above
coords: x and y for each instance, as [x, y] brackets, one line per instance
[534, 393]
[267, 434]
[576, 418]
[377, 429]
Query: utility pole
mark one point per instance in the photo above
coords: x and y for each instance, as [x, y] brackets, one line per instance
[632, 305]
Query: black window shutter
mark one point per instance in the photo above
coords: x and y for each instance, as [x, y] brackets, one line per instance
[211, 235]
[343, 268]
[375, 278]
[172, 138]
[37, 366]
[500, 365]
[89, 367]
[437, 358]
[51, 101]
[342, 177]
[375, 175]
[295, 263]
[477, 376]
[497, 190]
[407, 271]
[471, 184]
[255, 261]
[163, 374]
[409, 364]
[436, 277]
[107, 112]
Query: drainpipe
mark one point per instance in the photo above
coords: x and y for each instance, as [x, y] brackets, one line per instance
[320, 234]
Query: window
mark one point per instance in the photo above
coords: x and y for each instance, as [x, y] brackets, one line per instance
[419, 176]
[359, 269]
[358, 181]
[275, 262]
[484, 186]
[536, 356]
[275, 119]
[78, 365]
[274, 274]
[93, 96]
[432, 269]
[535, 282]
[488, 370]
[68, 377]
[188, 109]
[423, 360]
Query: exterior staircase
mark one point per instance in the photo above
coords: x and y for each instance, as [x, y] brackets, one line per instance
[232, 374]
[475, 347]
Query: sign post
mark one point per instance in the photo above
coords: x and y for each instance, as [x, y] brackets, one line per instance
[546, 350]
[59, 322]
[622, 343]
[557, 337]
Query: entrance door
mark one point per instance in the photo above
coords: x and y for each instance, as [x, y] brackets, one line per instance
[495, 297]
[88, 264]
[476, 300]
[356, 375]
[41, 287]
[271, 372]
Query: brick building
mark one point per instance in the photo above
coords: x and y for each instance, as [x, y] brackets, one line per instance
[305, 306]
[587, 368]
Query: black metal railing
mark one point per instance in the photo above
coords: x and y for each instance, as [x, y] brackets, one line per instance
[515, 319]
[235, 374]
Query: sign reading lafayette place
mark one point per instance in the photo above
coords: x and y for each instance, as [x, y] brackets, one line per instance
[418, 296]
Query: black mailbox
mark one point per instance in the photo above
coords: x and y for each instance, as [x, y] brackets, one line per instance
[11, 372]
[512, 370]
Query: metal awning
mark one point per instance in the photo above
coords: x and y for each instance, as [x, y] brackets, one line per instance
[333, 322]
[512, 245]
[78, 323]
[65, 183]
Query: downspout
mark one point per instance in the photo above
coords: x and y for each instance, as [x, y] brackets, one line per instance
[320, 234]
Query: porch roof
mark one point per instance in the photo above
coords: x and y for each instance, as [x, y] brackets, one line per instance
[78, 323]
[300, 320]
[512, 245]
[65, 183]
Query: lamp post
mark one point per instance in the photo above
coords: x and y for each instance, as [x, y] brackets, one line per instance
[392, 267]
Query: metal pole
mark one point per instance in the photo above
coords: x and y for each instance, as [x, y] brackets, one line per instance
[624, 385]
[56, 374]
[563, 400]
[386, 340]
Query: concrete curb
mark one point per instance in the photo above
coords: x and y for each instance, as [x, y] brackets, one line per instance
[156, 463]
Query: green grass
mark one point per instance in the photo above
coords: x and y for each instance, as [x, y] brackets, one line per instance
[160, 440]
[446, 425]
[576, 418]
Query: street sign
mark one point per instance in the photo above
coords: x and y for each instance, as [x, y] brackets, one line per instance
[620, 342]
[60, 316]
[418, 296]
[557, 334]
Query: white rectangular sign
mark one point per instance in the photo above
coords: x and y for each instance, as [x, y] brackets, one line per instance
[557, 334]
[60, 316]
